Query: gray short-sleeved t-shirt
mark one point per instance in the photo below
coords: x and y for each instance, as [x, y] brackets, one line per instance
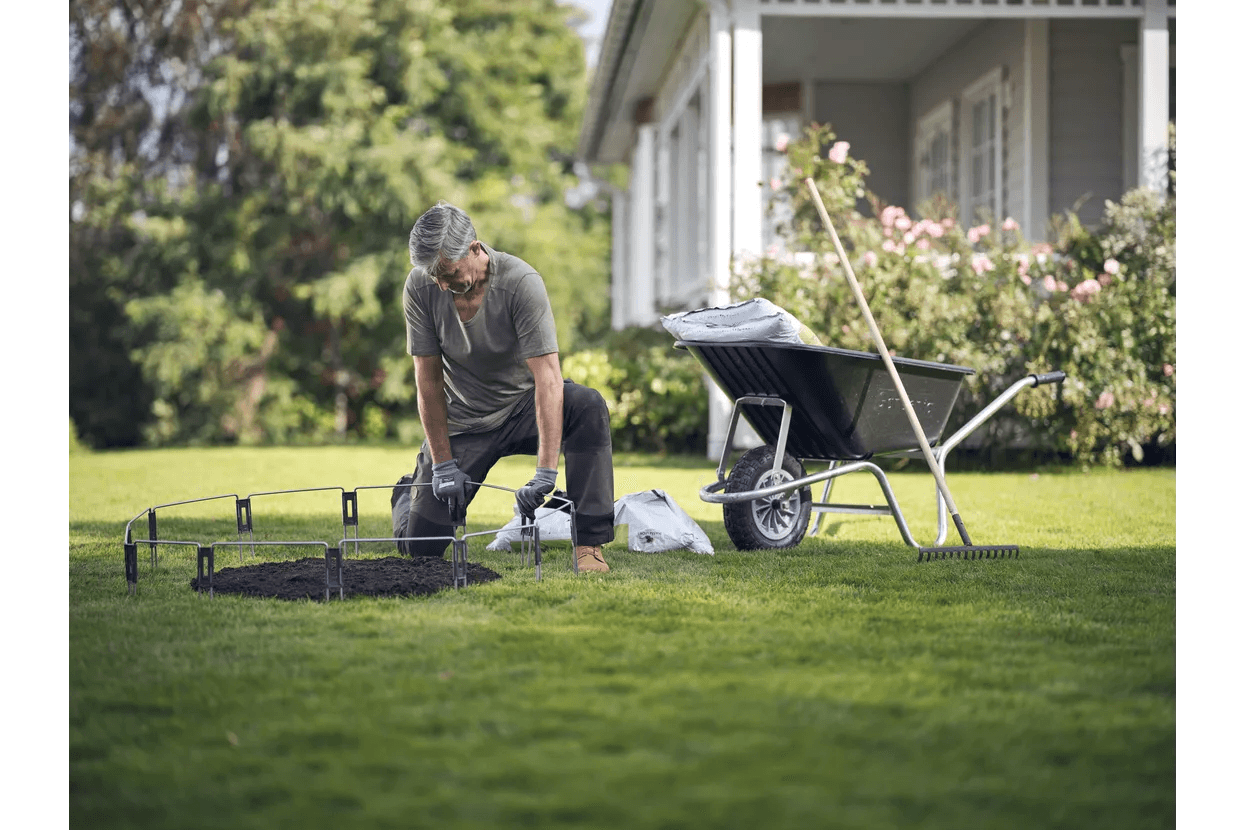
[484, 359]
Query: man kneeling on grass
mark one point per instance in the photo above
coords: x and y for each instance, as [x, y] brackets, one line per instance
[480, 329]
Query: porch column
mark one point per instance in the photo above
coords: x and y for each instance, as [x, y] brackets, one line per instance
[719, 123]
[640, 259]
[1153, 106]
[749, 206]
[662, 267]
[1036, 208]
[747, 99]
[718, 208]
[620, 275]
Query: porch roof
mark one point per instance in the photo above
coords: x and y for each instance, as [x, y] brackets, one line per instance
[889, 40]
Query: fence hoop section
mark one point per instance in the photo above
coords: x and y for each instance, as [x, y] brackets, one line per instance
[333, 553]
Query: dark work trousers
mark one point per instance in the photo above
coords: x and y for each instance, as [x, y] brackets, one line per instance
[589, 471]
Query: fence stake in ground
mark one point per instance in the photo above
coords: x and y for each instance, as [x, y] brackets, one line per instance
[207, 555]
[333, 573]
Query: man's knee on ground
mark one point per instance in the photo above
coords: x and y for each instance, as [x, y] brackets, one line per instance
[408, 522]
[424, 547]
[590, 419]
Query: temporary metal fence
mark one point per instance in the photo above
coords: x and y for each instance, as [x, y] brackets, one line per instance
[529, 545]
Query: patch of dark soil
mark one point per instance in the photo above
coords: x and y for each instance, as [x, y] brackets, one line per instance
[305, 578]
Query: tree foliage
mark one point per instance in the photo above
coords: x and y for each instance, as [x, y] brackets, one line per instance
[246, 177]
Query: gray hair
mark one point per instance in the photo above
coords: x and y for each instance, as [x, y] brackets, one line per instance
[444, 231]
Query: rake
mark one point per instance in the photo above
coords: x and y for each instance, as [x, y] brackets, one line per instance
[968, 550]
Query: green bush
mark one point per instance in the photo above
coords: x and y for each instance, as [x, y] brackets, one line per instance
[1098, 305]
[656, 394]
[75, 443]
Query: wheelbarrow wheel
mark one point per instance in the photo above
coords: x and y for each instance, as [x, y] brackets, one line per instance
[773, 521]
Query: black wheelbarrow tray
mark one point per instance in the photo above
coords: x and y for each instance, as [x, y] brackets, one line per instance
[824, 404]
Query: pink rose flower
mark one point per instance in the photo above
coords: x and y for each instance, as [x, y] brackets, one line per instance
[775, 183]
[838, 153]
[923, 244]
[1168, 369]
[1061, 285]
[1111, 266]
[780, 143]
[1048, 282]
[903, 222]
[975, 234]
[1085, 290]
[1104, 280]
[871, 258]
[981, 264]
[1010, 224]
[1105, 401]
[948, 223]
[1026, 279]
[909, 238]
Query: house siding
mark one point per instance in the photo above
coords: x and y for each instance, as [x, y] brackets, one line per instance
[873, 118]
[1087, 113]
[996, 44]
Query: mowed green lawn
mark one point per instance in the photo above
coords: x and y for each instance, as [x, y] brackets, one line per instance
[837, 684]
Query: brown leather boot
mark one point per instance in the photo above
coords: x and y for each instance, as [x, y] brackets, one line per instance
[588, 558]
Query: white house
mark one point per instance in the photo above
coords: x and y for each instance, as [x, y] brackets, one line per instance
[1025, 108]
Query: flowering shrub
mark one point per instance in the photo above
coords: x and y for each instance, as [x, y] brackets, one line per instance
[656, 395]
[1117, 328]
[1098, 305]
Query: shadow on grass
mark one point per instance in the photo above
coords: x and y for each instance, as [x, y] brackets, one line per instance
[871, 569]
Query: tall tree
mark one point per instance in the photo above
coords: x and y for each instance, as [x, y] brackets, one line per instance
[132, 67]
[272, 236]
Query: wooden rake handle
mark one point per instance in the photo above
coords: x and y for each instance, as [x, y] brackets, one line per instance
[890, 364]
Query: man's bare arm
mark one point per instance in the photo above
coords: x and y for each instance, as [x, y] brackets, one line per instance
[430, 385]
[547, 372]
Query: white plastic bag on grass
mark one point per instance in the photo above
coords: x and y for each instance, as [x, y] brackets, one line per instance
[656, 524]
[554, 525]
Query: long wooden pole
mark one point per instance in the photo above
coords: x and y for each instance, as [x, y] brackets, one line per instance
[890, 364]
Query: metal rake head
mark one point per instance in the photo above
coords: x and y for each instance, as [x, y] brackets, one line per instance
[968, 552]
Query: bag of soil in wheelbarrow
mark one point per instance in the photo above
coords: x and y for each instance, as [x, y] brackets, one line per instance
[756, 320]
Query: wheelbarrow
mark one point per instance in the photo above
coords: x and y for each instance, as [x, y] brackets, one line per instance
[835, 406]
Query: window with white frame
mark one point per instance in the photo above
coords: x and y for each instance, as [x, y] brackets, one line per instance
[933, 154]
[981, 148]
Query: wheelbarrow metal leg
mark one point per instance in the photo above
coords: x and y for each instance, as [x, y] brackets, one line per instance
[825, 498]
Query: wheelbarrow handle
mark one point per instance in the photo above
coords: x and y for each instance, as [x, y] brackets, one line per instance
[1049, 377]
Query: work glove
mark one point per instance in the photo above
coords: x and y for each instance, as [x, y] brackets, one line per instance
[449, 484]
[532, 495]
